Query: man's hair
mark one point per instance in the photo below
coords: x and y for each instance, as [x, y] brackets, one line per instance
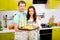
[23, 2]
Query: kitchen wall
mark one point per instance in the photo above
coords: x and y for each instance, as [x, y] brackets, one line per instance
[40, 9]
[9, 14]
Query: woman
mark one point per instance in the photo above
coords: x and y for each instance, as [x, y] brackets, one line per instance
[32, 20]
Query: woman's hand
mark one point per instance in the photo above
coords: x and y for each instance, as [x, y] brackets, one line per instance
[38, 28]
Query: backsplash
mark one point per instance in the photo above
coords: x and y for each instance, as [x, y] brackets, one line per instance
[41, 9]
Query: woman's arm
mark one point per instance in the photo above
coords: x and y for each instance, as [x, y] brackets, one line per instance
[36, 25]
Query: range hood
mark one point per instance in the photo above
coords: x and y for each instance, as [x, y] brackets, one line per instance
[39, 1]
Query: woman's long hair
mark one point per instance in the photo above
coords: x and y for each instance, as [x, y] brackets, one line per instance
[34, 15]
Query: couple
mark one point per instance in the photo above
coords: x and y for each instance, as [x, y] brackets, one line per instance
[22, 18]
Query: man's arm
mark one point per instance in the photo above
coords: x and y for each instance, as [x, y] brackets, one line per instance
[16, 27]
[15, 23]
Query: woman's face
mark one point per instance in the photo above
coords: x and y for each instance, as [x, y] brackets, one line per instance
[31, 11]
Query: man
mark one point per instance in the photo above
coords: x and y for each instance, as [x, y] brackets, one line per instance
[20, 15]
[20, 21]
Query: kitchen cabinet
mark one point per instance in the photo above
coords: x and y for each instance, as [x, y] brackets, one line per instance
[12, 35]
[46, 34]
[13, 4]
[3, 5]
[39, 1]
[53, 4]
[56, 34]
[28, 3]
[7, 36]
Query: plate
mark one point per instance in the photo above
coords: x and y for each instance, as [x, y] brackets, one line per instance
[28, 28]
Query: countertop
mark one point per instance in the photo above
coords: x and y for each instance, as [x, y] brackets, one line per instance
[50, 28]
[6, 30]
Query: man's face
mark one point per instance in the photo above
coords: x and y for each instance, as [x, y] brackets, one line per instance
[22, 7]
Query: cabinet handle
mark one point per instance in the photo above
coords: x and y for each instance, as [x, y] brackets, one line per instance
[2, 10]
[45, 33]
[57, 30]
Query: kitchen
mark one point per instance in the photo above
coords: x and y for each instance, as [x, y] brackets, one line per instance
[44, 10]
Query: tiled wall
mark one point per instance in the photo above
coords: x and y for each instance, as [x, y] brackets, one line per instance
[40, 9]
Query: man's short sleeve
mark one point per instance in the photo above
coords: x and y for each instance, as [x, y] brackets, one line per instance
[16, 19]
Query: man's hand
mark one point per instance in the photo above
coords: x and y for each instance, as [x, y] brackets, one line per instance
[16, 28]
[19, 30]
